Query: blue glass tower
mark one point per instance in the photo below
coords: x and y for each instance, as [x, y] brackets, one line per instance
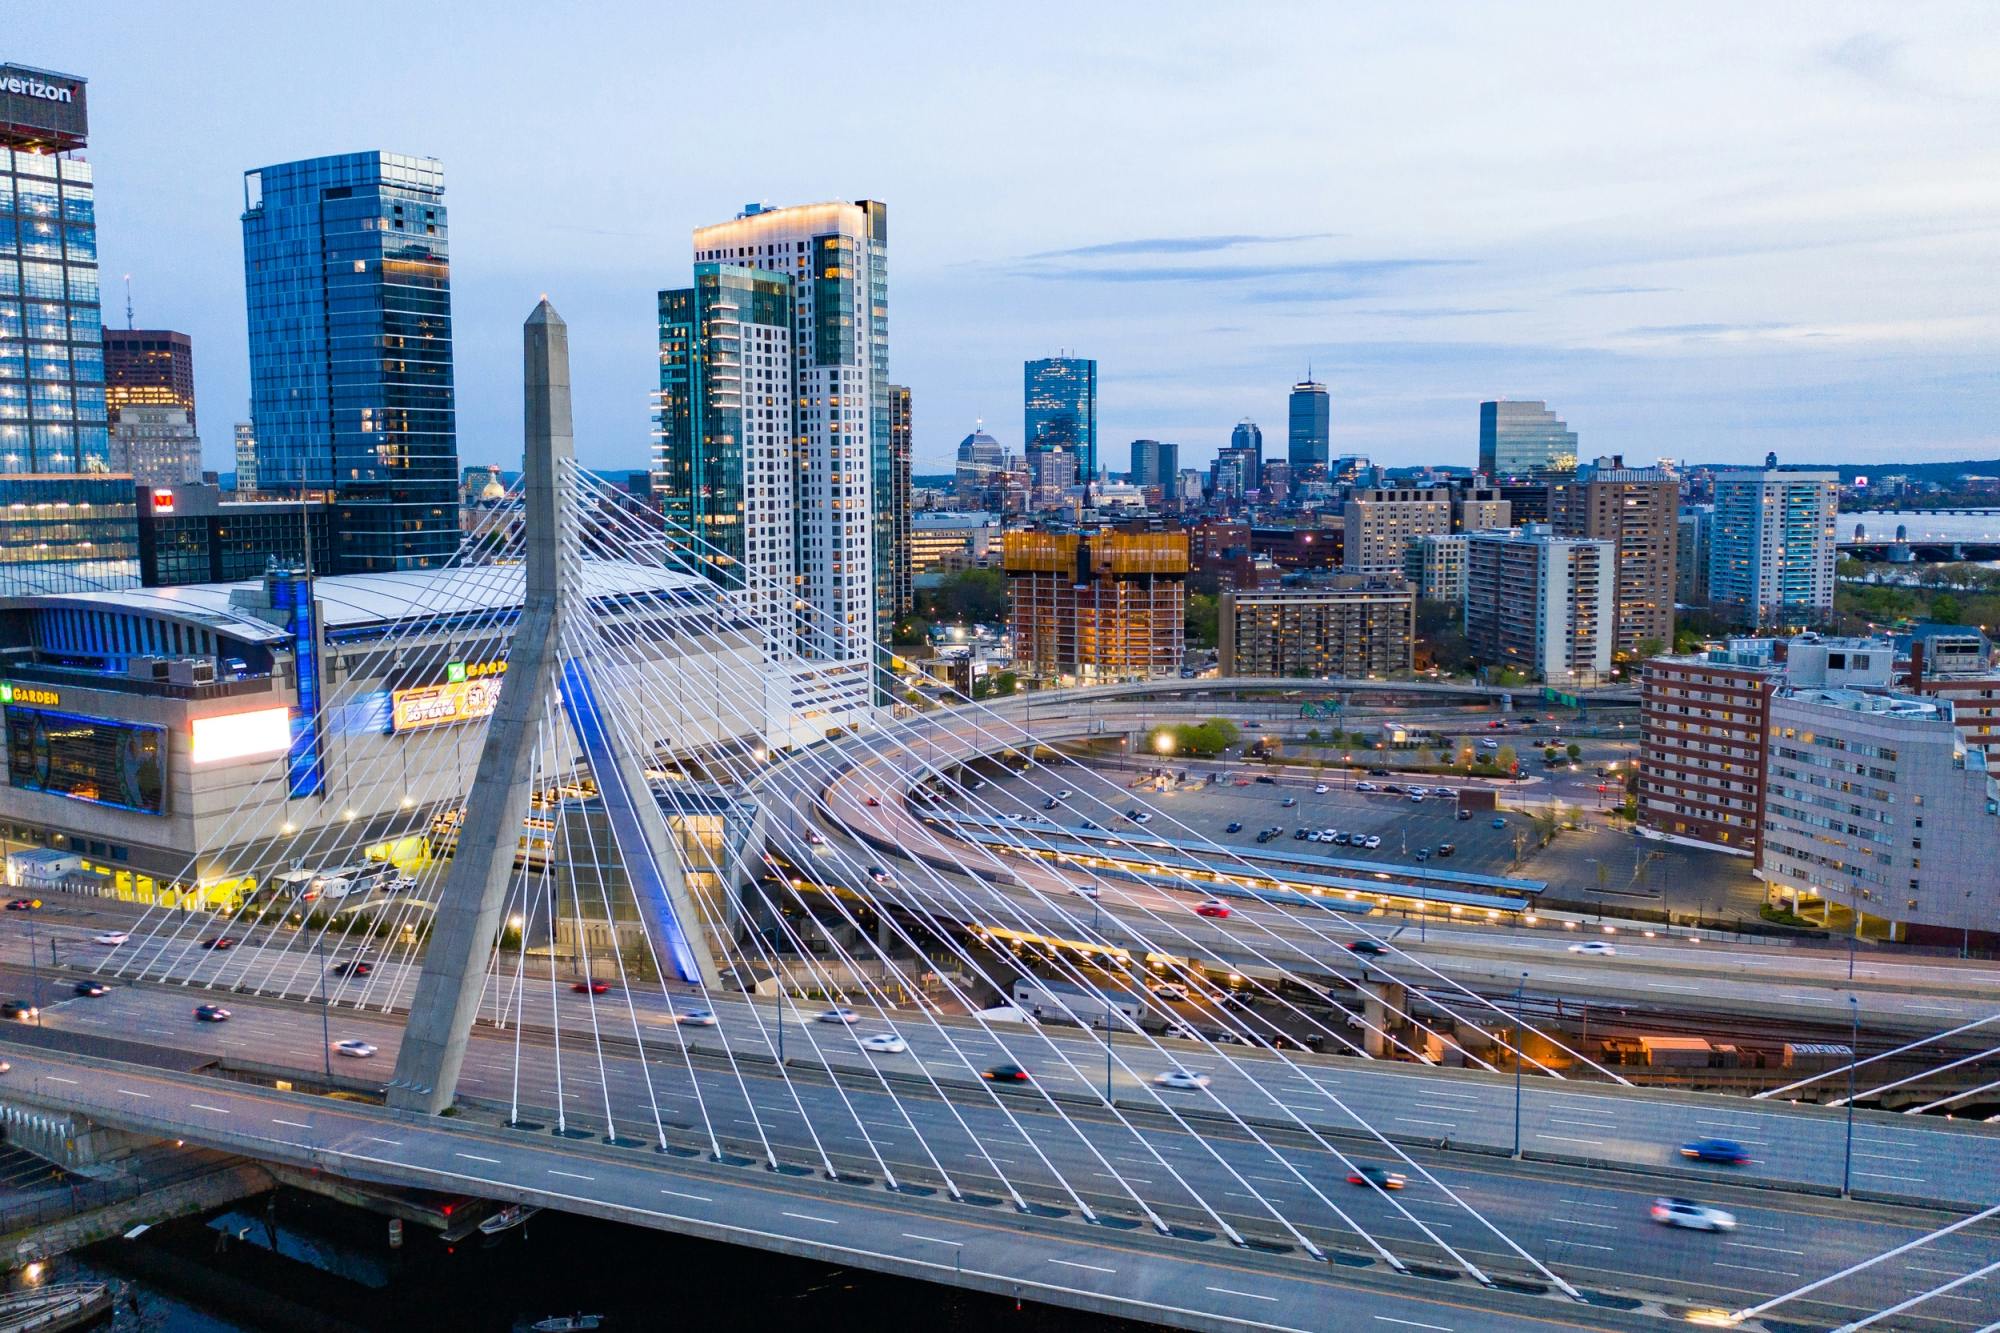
[1060, 397]
[348, 281]
[1309, 441]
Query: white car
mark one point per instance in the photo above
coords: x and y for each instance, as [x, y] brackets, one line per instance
[1694, 1216]
[1366, 786]
[696, 1018]
[836, 1016]
[814, 838]
[884, 1043]
[1320, 790]
[1169, 990]
[113, 938]
[1595, 948]
[1064, 794]
[1417, 796]
[1185, 1079]
[1085, 890]
[353, 1050]
[1372, 841]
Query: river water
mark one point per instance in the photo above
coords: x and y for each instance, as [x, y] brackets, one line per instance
[301, 1264]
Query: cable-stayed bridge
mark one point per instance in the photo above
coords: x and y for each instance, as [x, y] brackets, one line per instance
[663, 957]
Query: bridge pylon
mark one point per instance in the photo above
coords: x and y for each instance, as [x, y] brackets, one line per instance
[539, 678]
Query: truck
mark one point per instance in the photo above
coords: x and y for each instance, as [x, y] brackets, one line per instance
[1057, 1002]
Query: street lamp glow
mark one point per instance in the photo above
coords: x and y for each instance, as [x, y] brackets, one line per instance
[1164, 743]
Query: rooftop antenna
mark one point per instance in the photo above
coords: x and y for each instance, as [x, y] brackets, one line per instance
[128, 303]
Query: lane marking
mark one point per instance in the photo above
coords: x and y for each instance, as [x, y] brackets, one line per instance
[1575, 1244]
[58, 1078]
[293, 1123]
[1226, 1291]
[1745, 1268]
[571, 1174]
[1769, 1249]
[129, 1093]
[474, 1157]
[934, 1240]
[808, 1217]
[1092, 1267]
[1564, 1138]
[203, 1106]
[698, 1198]
[393, 1143]
[1411, 1323]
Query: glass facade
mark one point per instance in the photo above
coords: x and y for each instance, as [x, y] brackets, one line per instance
[1309, 444]
[1059, 394]
[348, 280]
[1520, 439]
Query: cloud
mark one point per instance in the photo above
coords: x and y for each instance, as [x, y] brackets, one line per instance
[1446, 312]
[1867, 55]
[1350, 270]
[1616, 289]
[1176, 245]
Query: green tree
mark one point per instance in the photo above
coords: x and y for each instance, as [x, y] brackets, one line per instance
[1006, 683]
[1649, 648]
[1203, 614]
[1573, 750]
[974, 595]
[910, 631]
[1945, 610]
[1440, 637]
[1505, 759]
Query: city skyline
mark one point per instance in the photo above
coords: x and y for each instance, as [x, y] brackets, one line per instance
[1782, 273]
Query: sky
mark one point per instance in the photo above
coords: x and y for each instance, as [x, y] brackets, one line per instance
[1699, 231]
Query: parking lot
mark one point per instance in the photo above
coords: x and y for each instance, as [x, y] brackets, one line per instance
[1404, 826]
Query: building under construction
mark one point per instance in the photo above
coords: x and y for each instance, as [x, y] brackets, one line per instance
[1097, 604]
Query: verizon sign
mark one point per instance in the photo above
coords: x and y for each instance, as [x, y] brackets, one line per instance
[42, 109]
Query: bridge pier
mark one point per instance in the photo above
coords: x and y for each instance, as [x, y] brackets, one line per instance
[1381, 1001]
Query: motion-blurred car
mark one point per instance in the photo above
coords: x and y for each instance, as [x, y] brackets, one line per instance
[884, 1043]
[1213, 907]
[1691, 1215]
[836, 1015]
[356, 968]
[695, 1018]
[1726, 1151]
[1184, 1079]
[353, 1049]
[20, 1011]
[1594, 948]
[90, 989]
[1499, 823]
[24, 904]
[1367, 948]
[1004, 1074]
[219, 942]
[591, 987]
[112, 938]
[1379, 1176]
[210, 1013]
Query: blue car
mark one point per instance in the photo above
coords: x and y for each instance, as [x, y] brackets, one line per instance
[1499, 823]
[1726, 1151]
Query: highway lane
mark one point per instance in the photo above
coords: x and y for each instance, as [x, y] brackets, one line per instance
[995, 1250]
[1590, 1223]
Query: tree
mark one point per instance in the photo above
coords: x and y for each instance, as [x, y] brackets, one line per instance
[976, 595]
[1006, 683]
[1440, 637]
[910, 631]
[1505, 759]
[1945, 609]
[1203, 617]
[1649, 648]
[1573, 750]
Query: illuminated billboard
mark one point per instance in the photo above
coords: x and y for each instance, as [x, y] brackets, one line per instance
[442, 705]
[95, 759]
[266, 731]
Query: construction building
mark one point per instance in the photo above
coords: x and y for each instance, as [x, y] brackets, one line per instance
[1097, 604]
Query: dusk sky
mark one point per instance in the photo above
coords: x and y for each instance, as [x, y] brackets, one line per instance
[1698, 231]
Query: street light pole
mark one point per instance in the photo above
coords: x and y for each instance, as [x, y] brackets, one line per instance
[1853, 927]
[35, 966]
[1519, 1000]
[325, 1023]
[1853, 1054]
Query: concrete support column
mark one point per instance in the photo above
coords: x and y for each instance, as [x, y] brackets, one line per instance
[1383, 998]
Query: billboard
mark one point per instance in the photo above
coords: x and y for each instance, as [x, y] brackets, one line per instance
[42, 108]
[95, 759]
[443, 705]
[266, 731]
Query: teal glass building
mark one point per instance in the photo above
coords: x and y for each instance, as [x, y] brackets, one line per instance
[1523, 439]
[1059, 396]
[347, 278]
[1309, 440]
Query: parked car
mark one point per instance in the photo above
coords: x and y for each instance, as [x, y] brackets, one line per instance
[1423, 853]
[1727, 1151]
[1378, 772]
[1691, 1215]
[1342, 839]
[1392, 788]
[1169, 990]
[1320, 789]
[1374, 841]
[1465, 814]
[1447, 849]
[1300, 835]
[1289, 802]
[1050, 803]
[1235, 826]
[1366, 786]
[1499, 823]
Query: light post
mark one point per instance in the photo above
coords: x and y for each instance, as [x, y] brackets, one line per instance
[1107, 1050]
[35, 966]
[1520, 1000]
[1853, 1054]
[1853, 927]
[325, 1023]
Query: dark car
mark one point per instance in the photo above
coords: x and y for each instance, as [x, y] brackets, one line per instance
[1392, 787]
[1465, 814]
[211, 1013]
[24, 904]
[1727, 1151]
[1378, 772]
[1235, 826]
[1367, 948]
[219, 942]
[1447, 848]
[1048, 803]
[1423, 853]
[1266, 778]
[1299, 834]
[18, 1010]
[357, 968]
[90, 989]
[1005, 1074]
[1380, 1176]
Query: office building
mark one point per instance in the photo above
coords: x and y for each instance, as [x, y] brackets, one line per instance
[1479, 508]
[157, 446]
[1059, 397]
[1637, 510]
[64, 523]
[981, 461]
[1435, 565]
[1309, 442]
[1878, 818]
[347, 275]
[1154, 464]
[1691, 554]
[246, 458]
[944, 542]
[1097, 604]
[901, 441]
[1771, 546]
[1247, 438]
[1230, 477]
[1382, 522]
[148, 368]
[1346, 626]
[831, 392]
[193, 533]
[1523, 439]
[1542, 604]
[723, 460]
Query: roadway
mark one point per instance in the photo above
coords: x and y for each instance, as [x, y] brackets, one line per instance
[1589, 1223]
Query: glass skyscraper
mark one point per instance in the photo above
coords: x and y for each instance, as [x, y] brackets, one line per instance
[1247, 438]
[67, 524]
[1309, 445]
[1522, 439]
[1059, 394]
[348, 280]
[1155, 463]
